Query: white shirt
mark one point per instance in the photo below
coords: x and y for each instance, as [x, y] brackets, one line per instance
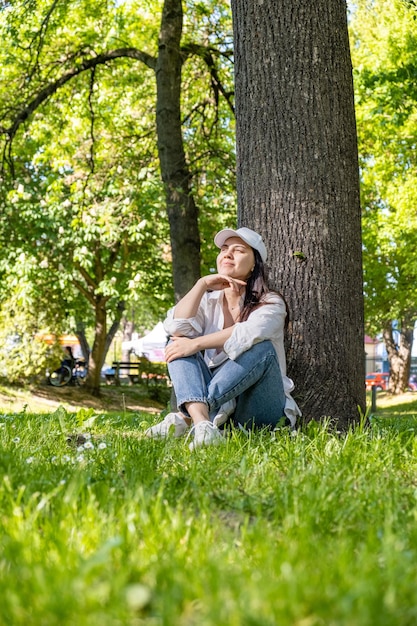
[265, 322]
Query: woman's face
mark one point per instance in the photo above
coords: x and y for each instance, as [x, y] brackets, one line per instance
[236, 259]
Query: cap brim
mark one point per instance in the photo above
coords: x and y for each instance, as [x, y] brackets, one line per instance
[223, 235]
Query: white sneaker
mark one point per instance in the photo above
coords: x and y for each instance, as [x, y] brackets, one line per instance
[205, 434]
[225, 412]
[172, 424]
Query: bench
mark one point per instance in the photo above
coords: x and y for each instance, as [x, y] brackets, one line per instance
[141, 370]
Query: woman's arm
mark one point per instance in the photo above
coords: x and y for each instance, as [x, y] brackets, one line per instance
[183, 346]
[188, 306]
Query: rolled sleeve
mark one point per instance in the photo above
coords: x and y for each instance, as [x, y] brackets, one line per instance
[184, 327]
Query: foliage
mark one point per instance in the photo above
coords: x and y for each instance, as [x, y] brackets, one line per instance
[24, 316]
[209, 123]
[384, 53]
[115, 528]
[86, 198]
[81, 187]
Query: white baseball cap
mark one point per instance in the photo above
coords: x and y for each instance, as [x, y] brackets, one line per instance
[253, 239]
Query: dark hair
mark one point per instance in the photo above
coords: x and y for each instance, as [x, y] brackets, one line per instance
[256, 289]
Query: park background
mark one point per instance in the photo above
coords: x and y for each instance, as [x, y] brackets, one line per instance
[99, 525]
[91, 239]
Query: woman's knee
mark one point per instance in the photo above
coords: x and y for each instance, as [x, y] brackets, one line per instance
[261, 349]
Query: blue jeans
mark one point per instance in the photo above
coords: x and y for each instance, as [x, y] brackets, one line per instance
[253, 379]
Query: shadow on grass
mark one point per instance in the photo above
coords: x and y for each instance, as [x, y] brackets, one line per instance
[45, 397]
[111, 397]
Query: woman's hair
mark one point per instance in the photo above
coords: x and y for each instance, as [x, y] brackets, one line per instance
[256, 289]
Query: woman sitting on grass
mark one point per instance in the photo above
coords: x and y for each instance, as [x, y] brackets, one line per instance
[226, 354]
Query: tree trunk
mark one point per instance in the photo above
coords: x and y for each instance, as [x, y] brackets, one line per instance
[181, 208]
[298, 184]
[128, 327]
[102, 341]
[399, 355]
[80, 332]
[118, 313]
[98, 351]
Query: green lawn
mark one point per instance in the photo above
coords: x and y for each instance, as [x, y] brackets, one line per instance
[316, 528]
[402, 406]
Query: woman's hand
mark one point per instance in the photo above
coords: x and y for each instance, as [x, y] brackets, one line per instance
[216, 282]
[180, 347]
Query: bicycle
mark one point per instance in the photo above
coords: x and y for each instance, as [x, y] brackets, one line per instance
[65, 374]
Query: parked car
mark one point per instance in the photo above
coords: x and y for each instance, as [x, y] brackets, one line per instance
[379, 380]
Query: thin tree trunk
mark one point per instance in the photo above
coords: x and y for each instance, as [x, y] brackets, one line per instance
[113, 328]
[128, 328]
[80, 332]
[181, 208]
[98, 351]
[399, 355]
[298, 184]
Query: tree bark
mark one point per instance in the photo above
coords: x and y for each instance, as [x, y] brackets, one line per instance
[98, 351]
[80, 332]
[399, 354]
[118, 314]
[175, 173]
[128, 327]
[298, 184]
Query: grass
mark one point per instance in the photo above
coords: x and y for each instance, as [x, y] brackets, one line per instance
[45, 398]
[311, 529]
[403, 406]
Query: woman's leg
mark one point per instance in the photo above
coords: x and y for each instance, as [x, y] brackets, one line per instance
[190, 377]
[255, 380]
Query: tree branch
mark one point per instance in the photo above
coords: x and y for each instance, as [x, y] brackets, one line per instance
[88, 291]
[39, 35]
[116, 323]
[90, 157]
[86, 64]
[85, 292]
[207, 54]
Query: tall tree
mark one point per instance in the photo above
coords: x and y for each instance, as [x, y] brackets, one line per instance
[384, 53]
[298, 185]
[84, 187]
[175, 172]
[167, 63]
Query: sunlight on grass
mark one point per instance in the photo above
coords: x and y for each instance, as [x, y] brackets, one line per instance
[403, 405]
[101, 526]
[16, 399]
[385, 400]
[44, 398]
